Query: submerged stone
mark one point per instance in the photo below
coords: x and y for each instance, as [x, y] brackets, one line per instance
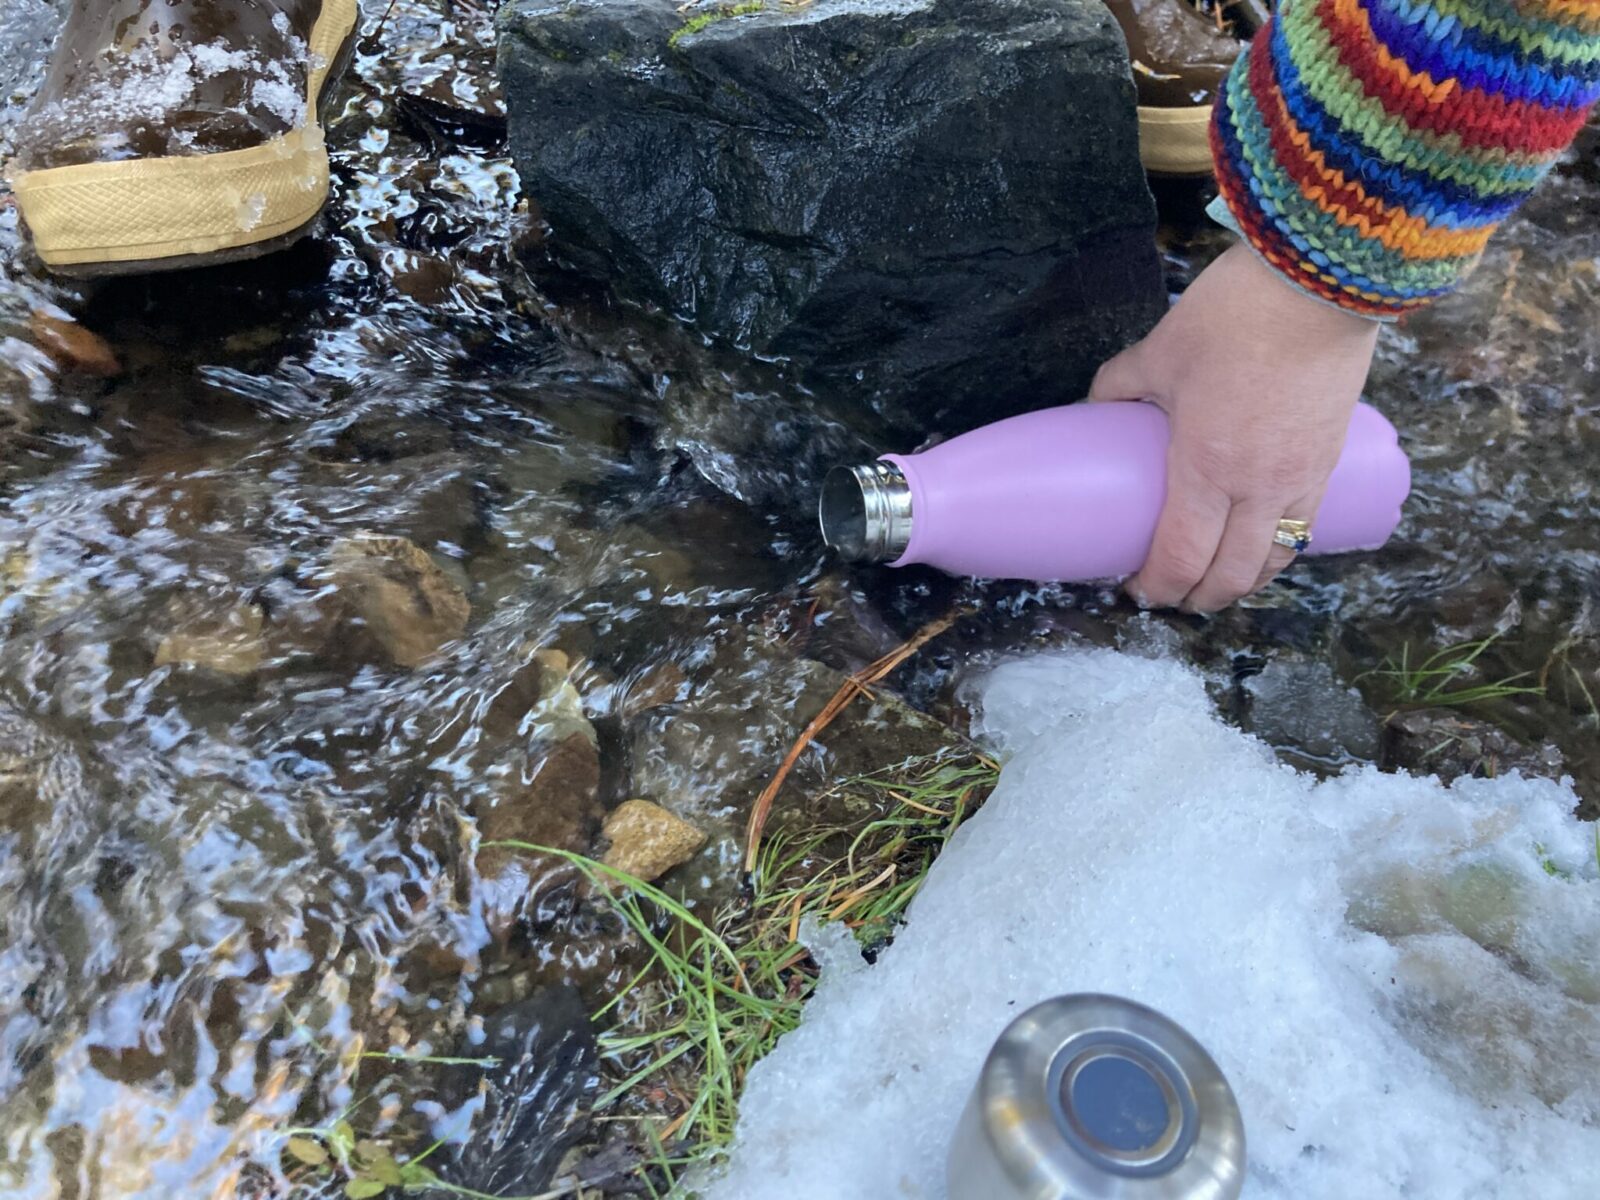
[709, 756]
[73, 347]
[937, 204]
[554, 803]
[549, 796]
[535, 1102]
[229, 643]
[404, 601]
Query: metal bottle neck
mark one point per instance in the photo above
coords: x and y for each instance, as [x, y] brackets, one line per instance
[865, 512]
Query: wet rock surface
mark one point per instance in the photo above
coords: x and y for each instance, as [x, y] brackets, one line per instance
[1180, 56]
[536, 1098]
[398, 595]
[1439, 741]
[228, 642]
[73, 347]
[848, 184]
[1303, 708]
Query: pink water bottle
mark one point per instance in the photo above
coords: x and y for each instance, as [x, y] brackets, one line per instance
[1072, 494]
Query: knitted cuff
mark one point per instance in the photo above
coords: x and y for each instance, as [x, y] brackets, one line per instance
[1217, 210]
[1362, 182]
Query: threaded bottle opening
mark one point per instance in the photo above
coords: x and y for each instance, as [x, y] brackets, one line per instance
[865, 512]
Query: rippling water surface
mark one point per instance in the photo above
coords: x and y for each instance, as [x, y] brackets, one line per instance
[368, 552]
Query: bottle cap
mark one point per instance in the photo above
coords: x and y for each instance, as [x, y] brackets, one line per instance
[865, 512]
[1096, 1096]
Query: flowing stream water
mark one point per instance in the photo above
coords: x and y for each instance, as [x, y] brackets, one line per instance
[239, 830]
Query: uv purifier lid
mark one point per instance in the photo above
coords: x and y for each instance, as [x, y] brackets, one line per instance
[1095, 1096]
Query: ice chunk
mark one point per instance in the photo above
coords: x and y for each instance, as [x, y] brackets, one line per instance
[1397, 977]
[250, 210]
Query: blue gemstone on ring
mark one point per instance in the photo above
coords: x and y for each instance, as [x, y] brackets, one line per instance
[1300, 544]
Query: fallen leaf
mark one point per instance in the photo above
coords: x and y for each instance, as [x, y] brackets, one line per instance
[307, 1151]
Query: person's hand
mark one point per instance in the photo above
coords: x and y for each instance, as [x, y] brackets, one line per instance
[1259, 382]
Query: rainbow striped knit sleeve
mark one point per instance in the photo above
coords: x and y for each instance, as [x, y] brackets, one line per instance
[1368, 148]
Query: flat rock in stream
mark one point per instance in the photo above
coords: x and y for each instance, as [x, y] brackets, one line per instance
[1302, 707]
[933, 203]
[227, 643]
[549, 797]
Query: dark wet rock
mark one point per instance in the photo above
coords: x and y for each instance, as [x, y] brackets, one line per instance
[1304, 708]
[840, 624]
[432, 497]
[939, 203]
[1446, 743]
[425, 278]
[448, 127]
[174, 490]
[549, 796]
[515, 699]
[400, 597]
[655, 686]
[536, 1102]
[647, 841]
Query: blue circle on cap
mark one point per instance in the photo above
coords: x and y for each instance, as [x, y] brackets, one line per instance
[1120, 1104]
[1123, 1103]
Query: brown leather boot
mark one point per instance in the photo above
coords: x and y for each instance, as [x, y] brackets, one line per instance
[178, 133]
[1180, 57]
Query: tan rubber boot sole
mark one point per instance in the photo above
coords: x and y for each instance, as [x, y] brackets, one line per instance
[1175, 141]
[152, 214]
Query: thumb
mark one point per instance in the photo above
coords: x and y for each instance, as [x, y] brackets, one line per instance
[1123, 377]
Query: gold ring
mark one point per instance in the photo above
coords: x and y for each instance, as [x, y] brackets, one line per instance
[1293, 535]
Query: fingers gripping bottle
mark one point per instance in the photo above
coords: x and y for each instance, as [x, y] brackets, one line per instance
[1072, 494]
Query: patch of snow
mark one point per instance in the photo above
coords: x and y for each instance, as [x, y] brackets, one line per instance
[277, 94]
[1400, 980]
[210, 60]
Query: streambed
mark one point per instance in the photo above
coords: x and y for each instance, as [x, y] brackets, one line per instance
[238, 841]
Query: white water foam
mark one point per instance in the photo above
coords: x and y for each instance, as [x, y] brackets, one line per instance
[1401, 980]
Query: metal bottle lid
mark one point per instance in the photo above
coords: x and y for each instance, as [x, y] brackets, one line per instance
[865, 512]
[1095, 1096]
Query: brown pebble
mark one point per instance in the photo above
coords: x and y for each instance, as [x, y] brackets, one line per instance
[229, 643]
[73, 346]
